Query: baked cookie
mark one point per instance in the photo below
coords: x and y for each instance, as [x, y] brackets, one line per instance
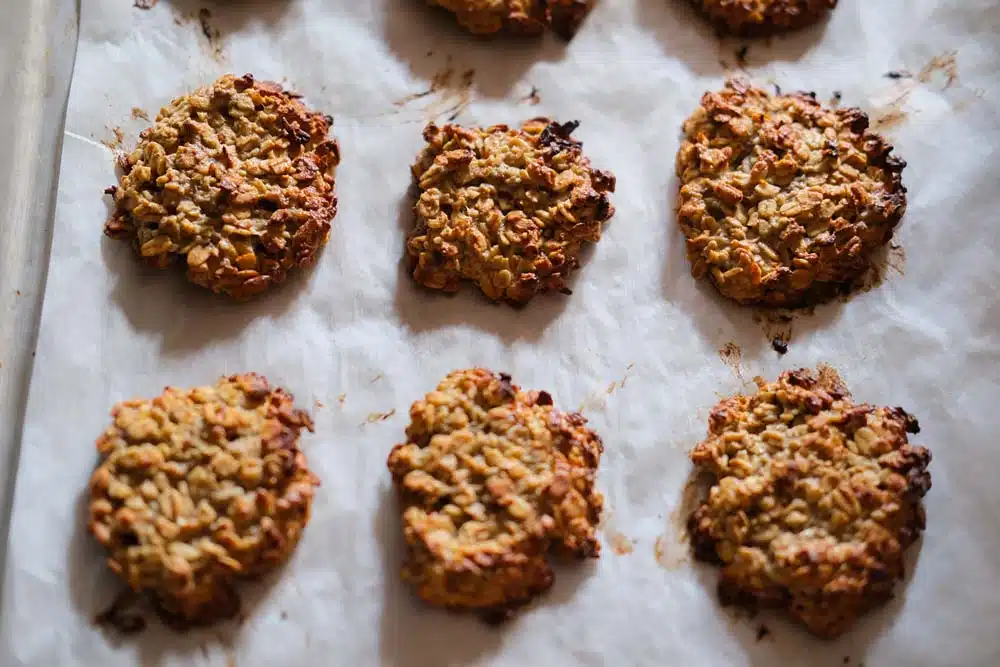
[813, 499]
[784, 202]
[526, 17]
[490, 480]
[754, 18]
[507, 209]
[236, 180]
[198, 488]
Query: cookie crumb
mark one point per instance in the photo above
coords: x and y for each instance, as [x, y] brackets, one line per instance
[762, 631]
[779, 345]
[139, 114]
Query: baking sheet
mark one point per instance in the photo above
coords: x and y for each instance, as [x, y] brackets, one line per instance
[357, 342]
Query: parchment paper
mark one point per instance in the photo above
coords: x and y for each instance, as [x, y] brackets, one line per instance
[355, 340]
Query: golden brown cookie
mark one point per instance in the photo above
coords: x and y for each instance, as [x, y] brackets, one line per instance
[525, 17]
[491, 479]
[504, 208]
[754, 18]
[198, 488]
[236, 180]
[813, 499]
[784, 202]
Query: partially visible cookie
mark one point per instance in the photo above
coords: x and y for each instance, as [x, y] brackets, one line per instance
[491, 479]
[235, 180]
[754, 18]
[507, 209]
[783, 201]
[526, 17]
[813, 499]
[198, 488]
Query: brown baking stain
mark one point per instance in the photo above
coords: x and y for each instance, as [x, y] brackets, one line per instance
[620, 544]
[599, 401]
[776, 324]
[144, 4]
[376, 417]
[320, 404]
[888, 118]
[213, 36]
[893, 112]
[732, 357]
[532, 98]
[139, 114]
[888, 260]
[376, 379]
[440, 80]
[116, 143]
[122, 615]
[946, 63]
[763, 632]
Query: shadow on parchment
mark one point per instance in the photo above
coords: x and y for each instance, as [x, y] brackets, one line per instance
[430, 41]
[688, 37]
[414, 634]
[187, 317]
[421, 309]
[93, 588]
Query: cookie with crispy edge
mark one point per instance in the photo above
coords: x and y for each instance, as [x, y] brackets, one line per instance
[234, 180]
[507, 209]
[813, 499]
[757, 18]
[524, 17]
[199, 488]
[491, 480]
[784, 202]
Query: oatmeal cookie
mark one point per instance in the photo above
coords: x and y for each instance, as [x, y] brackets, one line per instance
[754, 18]
[526, 17]
[490, 480]
[198, 488]
[507, 209]
[236, 179]
[813, 499]
[784, 202]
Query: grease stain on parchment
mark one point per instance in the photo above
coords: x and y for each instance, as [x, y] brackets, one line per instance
[448, 94]
[599, 400]
[672, 549]
[376, 417]
[893, 112]
[732, 356]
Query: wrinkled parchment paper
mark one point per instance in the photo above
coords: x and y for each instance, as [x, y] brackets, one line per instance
[637, 345]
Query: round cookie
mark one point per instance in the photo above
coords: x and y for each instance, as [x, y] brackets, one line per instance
[526, 17]
[236, 180]
[754, 18]
[504, 208]
[784, 202]
[490, 480]
[198, 488]
[813, 499]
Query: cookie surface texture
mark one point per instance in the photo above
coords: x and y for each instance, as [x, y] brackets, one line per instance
[199, 488]
[235, 181]
[813, 499]
[526, 17]
[491, 479]
[507, 209]
[784, 202]
[763, 17]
